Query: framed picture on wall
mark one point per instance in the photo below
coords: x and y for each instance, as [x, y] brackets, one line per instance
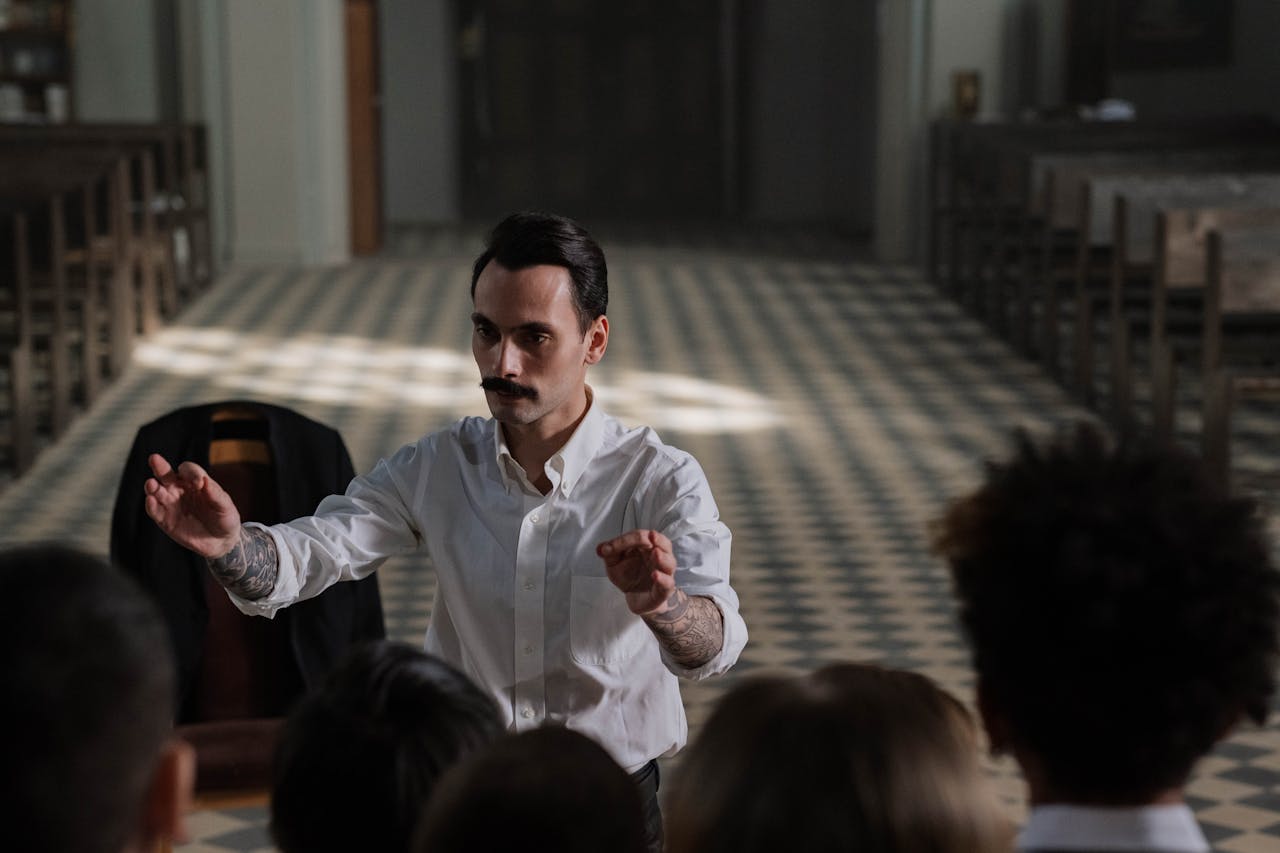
[1163, 34]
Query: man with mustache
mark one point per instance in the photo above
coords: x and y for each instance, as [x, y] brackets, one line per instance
[582, 566]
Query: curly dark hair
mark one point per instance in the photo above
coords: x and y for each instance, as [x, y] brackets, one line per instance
[530, 238]
[1122, 609]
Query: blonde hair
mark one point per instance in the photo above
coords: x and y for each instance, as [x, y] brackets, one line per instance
[850, 758]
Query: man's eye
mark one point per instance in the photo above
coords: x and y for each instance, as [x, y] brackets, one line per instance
[485, 332]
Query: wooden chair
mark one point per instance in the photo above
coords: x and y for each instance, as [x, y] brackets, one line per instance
[239, 675]
[247, 678]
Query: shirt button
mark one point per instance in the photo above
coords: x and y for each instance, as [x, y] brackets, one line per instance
[527, 713]
[528, 584]
[528, 650]
[534, 518]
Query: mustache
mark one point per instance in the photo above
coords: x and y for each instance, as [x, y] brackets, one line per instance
[506, 386]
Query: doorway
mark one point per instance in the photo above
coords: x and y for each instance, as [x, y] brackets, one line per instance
[600, 110]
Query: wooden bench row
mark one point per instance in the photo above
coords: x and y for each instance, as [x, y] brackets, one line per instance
[104, 233]
[1097, 238]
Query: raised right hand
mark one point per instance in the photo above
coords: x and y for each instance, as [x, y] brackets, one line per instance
[191, 508]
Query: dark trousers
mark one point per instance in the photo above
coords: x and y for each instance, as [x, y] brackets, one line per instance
[647, 779]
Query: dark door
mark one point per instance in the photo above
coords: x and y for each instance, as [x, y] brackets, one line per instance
[599, 109]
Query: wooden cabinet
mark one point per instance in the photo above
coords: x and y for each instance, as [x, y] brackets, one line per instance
[35, 60]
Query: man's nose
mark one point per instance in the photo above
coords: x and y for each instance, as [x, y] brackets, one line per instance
[508, 358]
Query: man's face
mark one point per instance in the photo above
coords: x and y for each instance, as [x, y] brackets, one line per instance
[531, 352]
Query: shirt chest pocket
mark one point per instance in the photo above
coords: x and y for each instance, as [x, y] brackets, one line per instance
[601, 628]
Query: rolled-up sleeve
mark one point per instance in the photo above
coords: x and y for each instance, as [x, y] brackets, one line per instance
[680, 503]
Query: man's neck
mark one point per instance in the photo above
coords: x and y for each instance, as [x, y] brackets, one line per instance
[531, 445]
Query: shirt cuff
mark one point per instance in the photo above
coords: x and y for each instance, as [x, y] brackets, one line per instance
[285, 590]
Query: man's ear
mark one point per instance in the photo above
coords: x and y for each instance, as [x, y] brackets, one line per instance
[169, 798]
[597, 339]
[993, 721]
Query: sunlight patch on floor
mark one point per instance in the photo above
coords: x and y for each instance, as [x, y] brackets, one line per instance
[355, 371]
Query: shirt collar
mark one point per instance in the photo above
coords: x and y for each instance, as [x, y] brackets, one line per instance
[1170, 828]
[567, 465]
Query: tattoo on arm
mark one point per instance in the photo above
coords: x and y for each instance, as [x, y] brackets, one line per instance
[249, 569]
[691, 629]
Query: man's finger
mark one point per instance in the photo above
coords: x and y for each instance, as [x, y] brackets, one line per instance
[160, 466]
[633, 539]
[192, 473]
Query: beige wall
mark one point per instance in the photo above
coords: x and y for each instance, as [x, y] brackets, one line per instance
[279, 99]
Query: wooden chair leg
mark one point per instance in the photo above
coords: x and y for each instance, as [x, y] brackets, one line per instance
[1121, 373]
[1082, 358]
[1163, 379]
[1215, 434]
[22, 418]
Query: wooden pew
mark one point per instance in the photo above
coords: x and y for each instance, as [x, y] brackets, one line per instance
[75, 267]
[179, 202]
[1074, 238]
[1179, 290]
[1159, 225]
[1241, 331]
[16, 345]
[994, 177]
[148, 242]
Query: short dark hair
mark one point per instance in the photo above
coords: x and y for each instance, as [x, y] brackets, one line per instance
[1122, 609]
[358, 756]
[87, 702]
[531, 238]
[853, 757]
[545, 789]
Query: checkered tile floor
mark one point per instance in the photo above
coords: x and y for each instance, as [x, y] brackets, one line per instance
[835, 405]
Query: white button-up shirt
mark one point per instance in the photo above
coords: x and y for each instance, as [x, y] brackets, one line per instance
[524, 606]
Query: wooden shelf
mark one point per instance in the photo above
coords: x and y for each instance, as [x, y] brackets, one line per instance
[36, 54]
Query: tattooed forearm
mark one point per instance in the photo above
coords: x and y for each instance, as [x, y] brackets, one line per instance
[249, 569]
[691, 629]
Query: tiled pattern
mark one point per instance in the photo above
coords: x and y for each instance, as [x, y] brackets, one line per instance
[834, 404]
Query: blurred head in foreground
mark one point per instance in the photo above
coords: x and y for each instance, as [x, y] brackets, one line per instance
[91, 764]
[545, 789]
[359, 756]
[852, 757]
[1122, 610]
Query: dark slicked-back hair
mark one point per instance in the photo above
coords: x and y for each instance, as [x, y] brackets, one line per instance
[1122, 609]
[531, 238]
[545, 789]
[87, 702]
[358, 756]
[848, 759]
